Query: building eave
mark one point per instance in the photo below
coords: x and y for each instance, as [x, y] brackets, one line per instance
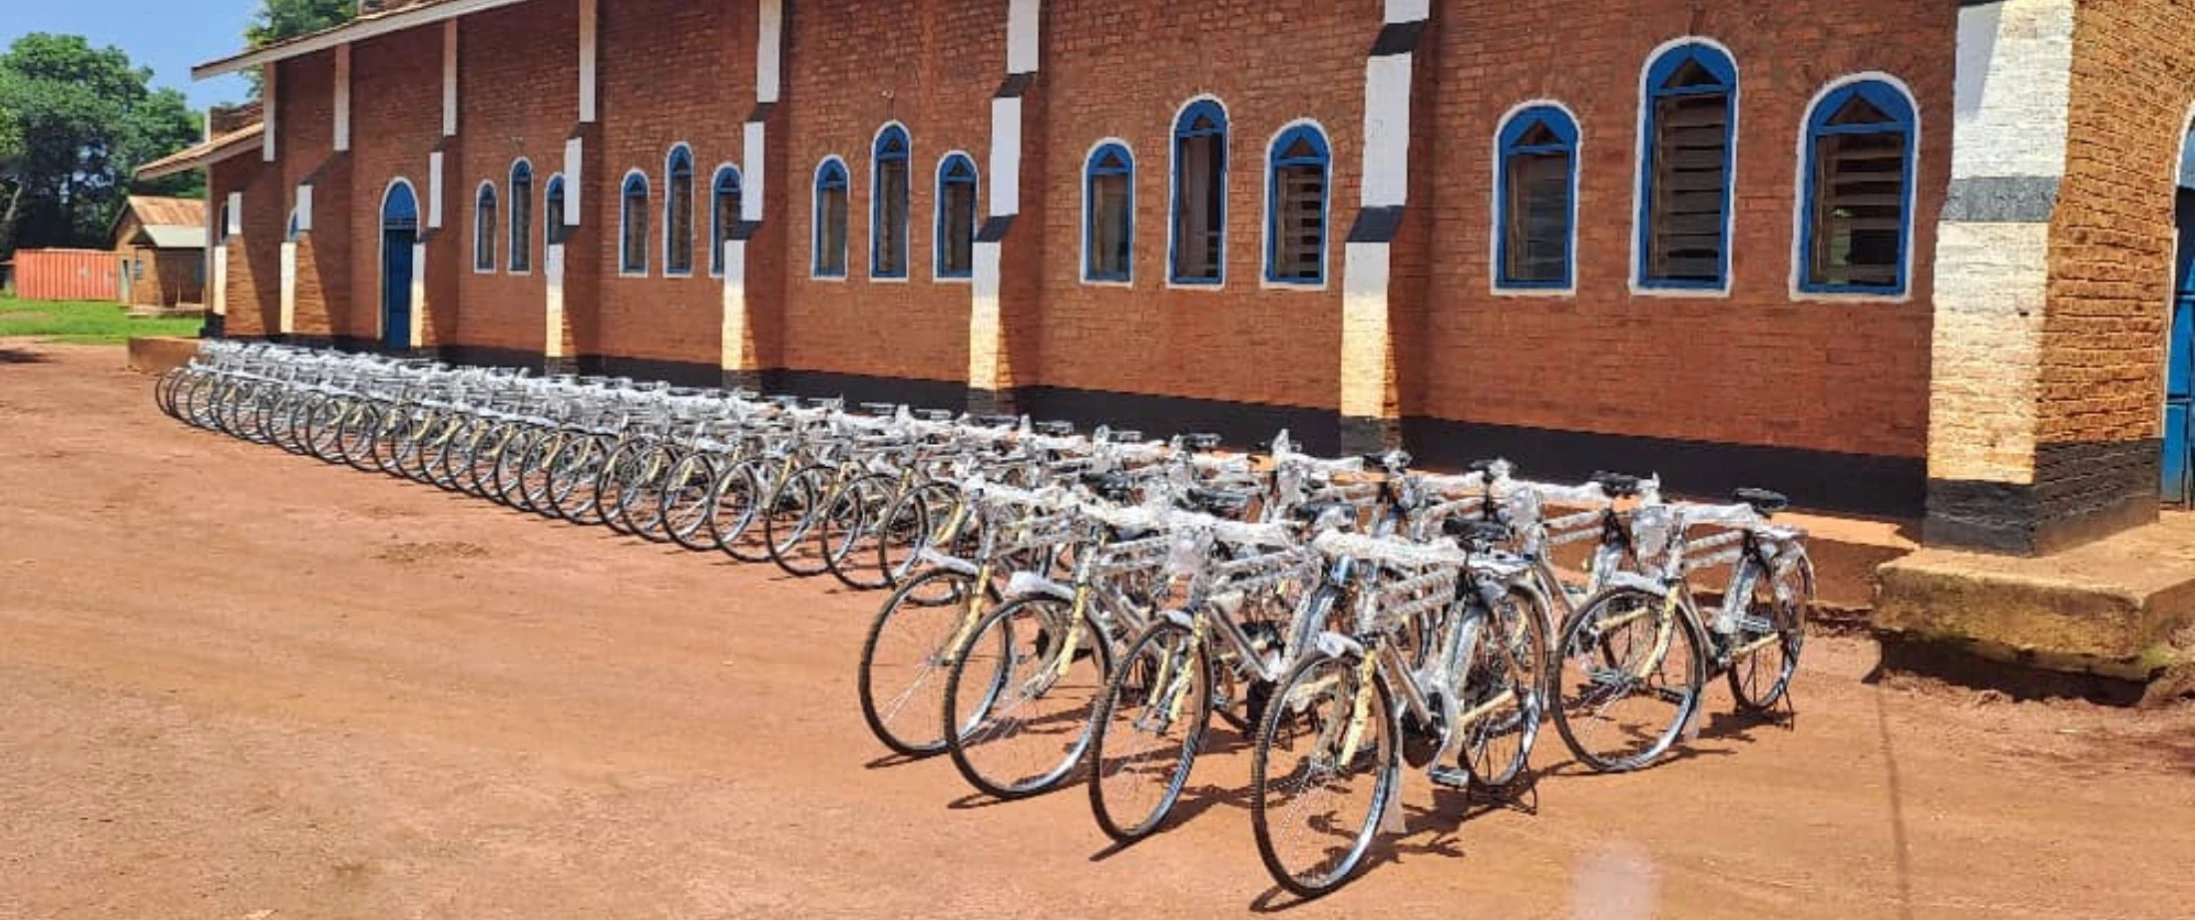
[359, 29]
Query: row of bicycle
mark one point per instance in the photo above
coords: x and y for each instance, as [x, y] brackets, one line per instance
[1072, 607]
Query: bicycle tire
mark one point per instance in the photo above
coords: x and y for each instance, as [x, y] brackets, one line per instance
[1318, 672]
[1603, 663]
[979, 730]
[922, 616]
[1175, 652]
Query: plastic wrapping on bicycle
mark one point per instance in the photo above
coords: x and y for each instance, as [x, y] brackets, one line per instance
[1053, 428]
[1477, 531]
[1221, 503]
[1200, 441]
[1762, 500]
[1618, 485]
[1390, 551]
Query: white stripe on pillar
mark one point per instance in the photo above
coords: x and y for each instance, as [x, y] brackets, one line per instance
[343, 96]
[552, 269]
[572, 151]
[288, 320]
[434, 190]
[418, 313]
[755, 175]
[1021, 36]
[769, 48]
[272, 95]
[1005, 156]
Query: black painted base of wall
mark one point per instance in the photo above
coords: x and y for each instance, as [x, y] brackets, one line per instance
[1368, 435]
[2084, 491]
[1858, 484]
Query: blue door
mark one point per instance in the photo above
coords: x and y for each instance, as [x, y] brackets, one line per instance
[399, 230]
[2180, 363]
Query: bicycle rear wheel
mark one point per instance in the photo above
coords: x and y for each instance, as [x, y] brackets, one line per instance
[1147, 730]
[1018, 696]
[735, 507]
[850, 530]
[1770, 636]
[791, 515]
[1315, 807]
[686, 500]
[1623, 694]
[1507, 676]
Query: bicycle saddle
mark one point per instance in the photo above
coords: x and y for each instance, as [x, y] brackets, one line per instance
[1763, 501]
[1200, 442]
[1471, 531]
[1054, 429]
[1125, 436]
[1617, 485]
[995, 421]
[879, 409]
[1389, 460]
[934, 415]
[1219, 503]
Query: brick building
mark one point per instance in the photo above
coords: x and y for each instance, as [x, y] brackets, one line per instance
[1893, 256]
[160, 245]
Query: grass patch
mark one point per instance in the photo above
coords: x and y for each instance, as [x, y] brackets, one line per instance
[84, 322]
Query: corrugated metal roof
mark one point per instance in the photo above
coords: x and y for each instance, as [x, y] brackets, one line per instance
[195, 157]
[164, 236]
[173, 212]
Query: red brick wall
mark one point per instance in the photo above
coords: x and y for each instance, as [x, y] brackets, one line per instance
[932, 66]
[255, 268]
[1755, 367]
[2112, 236]
[672, 72]
[396, 98]
[518, 96]
[1124, 70]
[305, 135]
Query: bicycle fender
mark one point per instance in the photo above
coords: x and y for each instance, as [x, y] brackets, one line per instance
[948, 563]
[1637, 582]
[1023, 584]
[1338, 646]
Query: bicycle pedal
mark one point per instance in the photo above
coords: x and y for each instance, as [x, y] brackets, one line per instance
[1754, 625]
[1449, 777]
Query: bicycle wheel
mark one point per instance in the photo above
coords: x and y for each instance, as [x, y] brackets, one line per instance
[1770, 635]
[686, 501]
[397, 430]
[1316, 799]
[791, 515]
[163, 390]
[640, 503]
[849, 530]
[1147, 729]
[903, 660]
[533, 474]
[909, 526]
[505, 479]
[454, 455]
[737, 514]
[485, 455]
[1018, 696]
[356, 434]
[577, 476]
[1506, 676]
[1623, 692]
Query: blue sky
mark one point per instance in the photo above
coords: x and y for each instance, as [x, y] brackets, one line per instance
[165, 35]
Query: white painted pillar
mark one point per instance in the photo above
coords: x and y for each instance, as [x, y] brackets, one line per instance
[434, 190]
[288, 320]
[989, 367]
[418, 294]
[343, 97]
[1368, 399]
[552, 270]
[271, 96]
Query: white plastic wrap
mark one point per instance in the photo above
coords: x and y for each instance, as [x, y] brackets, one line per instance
[1387, 551]
[1718, 515]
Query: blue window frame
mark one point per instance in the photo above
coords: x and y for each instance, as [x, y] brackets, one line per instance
[956, 216]
[829, 257]
[484, 230]
[1197, 234]
[632, 232]
[552, 211]
[723, 214]
[522, 217]
[678, 211]
[1109, 214]
[1298, 173]
[295, 228]
[1857, 217]
[1689, 119]
[1536, 200]
[888, 204]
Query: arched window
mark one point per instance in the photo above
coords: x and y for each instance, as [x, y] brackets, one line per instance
[522, 217]
[1535, 199]
[1199, 226]
[295, 229]
[1109, 214]
[829, 258]
[1297, 171]
[723, 214]
[1856, 217]
[888, 205]
[484, 218]
[552, 211]
[678, 211]
[632, 233]
[956, 216]
[1691, 114]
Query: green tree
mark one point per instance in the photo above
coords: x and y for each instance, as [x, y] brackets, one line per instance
[280, 19]
[77, 123]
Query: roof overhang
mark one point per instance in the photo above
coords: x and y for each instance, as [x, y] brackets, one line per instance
[359, 29]
[206, 154]
[159, 236]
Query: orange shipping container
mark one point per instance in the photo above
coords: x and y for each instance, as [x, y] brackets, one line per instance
[65, 274]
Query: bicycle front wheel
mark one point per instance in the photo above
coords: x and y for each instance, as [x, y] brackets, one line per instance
[1316, 794]
[1018, 697]
[1506, 677]
[1770, 636]
[1629, 677]
[1147, 729]
[903, 660]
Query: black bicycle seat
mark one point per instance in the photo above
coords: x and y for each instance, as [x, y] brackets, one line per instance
[934, 415]
[1311, 512]
[1112, 485]
[1617, 485]
[1220, 503]
[879, 408]
[1473, 531]
[1125, 436]
[1200, 441]
[1054, 429]
[1389, 460]
[996, 421]
[1763, 501]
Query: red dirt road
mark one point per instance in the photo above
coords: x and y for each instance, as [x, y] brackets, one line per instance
[242, 684]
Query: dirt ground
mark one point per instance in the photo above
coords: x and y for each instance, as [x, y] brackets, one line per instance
[242, 684]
